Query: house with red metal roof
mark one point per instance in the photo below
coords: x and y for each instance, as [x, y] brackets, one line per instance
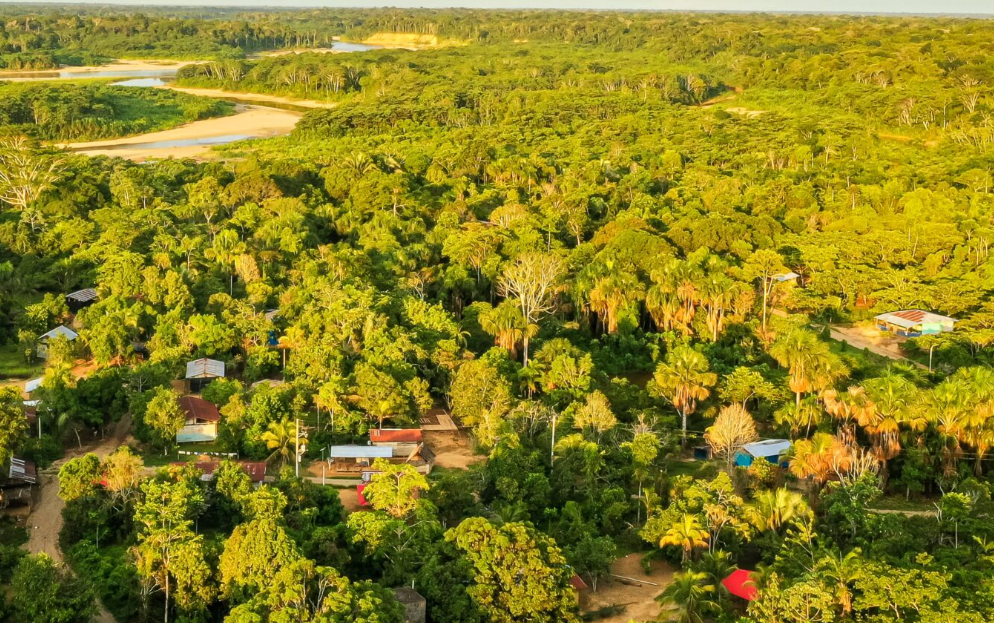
[914, 323]
[202, 418]
[256, 470]
[740, 583]
[395, 436]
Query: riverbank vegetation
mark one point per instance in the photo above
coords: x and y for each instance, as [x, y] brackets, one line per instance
[85, 111]
[575, 235]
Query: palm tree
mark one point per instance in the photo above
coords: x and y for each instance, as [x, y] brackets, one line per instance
[817, 458]
[612, 293]
[839, 573]
[692, 596]
[810, 363]
[947, 406]
[978, 422]
[687, 534]
[797, 416]
[893, 398]
[772, 510]
[506, 324]
[685, 378]
[279, 437]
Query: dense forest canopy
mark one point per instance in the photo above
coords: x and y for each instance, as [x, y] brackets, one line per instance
[599, 241]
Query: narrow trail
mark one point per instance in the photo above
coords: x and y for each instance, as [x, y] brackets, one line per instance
[45, 521]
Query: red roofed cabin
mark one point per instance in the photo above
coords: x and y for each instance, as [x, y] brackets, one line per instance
[395, 436]
[256, 470]
[202, 418]
[740, 583]
[915, 323]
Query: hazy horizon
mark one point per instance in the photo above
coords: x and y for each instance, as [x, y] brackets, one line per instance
[925, 7]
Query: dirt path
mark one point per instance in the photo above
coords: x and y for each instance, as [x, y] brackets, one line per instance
[45, 521]
[637, 595]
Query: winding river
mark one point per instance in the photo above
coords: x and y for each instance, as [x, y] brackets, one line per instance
[256, 115]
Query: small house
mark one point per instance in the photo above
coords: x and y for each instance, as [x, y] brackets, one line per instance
[787, 277]
[23, 470]
[202, 418]
[740, 584]
[395, 436]
[79, 299]
[201, 372]
[45, 338]
[415, 606]
[772, 450]
[914, 323]
[32, 386]
[256, 470]
[357, 460]
[353, 458]
[581, 589]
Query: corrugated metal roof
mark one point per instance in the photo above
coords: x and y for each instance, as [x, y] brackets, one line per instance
[57, 331]
[767, 447]
[82, 296]
[204, 369]
[33, 384]
[908, 318]
[360, 452]
[197, 408]
[395, 435]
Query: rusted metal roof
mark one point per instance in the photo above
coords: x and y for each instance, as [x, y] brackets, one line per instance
[395, 435]
[197, 408]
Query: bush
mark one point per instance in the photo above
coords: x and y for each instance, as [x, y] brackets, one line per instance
[43, 451]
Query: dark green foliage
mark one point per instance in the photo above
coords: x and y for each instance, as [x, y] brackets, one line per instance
[84, 112]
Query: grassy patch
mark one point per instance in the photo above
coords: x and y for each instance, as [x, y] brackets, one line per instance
[901, 503]
[11, 534]
[13, 366]
[155, 458]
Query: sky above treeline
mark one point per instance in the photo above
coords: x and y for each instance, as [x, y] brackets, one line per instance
[836, 6]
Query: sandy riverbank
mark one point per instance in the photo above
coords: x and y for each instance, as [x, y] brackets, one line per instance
[252, 97]
[248, 122]
[19, 75]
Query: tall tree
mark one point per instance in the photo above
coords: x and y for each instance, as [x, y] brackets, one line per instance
[732, 429]
[531, 279]
[685, 378]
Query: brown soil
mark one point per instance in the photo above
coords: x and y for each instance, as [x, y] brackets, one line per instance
[638, 597]
[452, 449]
[350, 499]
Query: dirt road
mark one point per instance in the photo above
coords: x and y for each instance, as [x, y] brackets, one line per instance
[45, 521]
